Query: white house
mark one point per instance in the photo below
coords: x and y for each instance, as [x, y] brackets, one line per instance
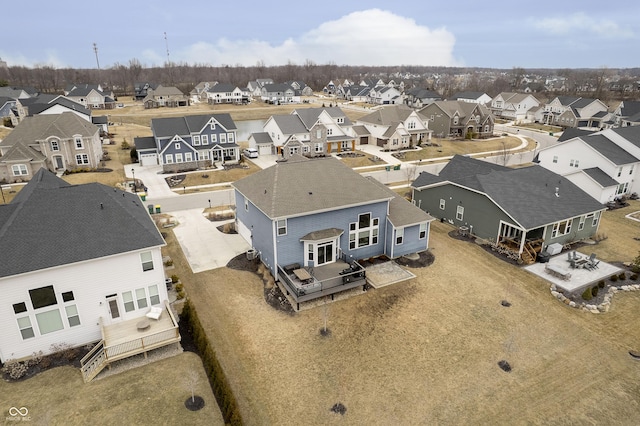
[395, 127]
[604, 164]
[513, 106]
[77, 260]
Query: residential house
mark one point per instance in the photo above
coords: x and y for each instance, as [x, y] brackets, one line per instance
[262, 142]
[321, 217]
[48, 104]
[224, 93]
[91, 96]
[199, 92]
[356, 93]
[459, 119]
[6, 107]
[524, 209]
[255, 87]
[396, 127]
[300, 86]
[81, 264]
[190, 142]
[513, 106]
[165, 97]
[57, 142]
[330, 89]
[418, 97]
[627, 114]
[385, 95]
[14, 92]
[141, 90]
[605, 164]
[310, 132]
[472, 97]
[573, 111]
[280, 93]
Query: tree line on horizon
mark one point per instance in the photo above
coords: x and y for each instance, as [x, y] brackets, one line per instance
[445, 80]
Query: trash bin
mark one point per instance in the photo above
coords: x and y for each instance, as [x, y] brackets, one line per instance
[157, 208]
[543, 257]
[387, 168]
[550, 133]
[150, 207]
[143, 196]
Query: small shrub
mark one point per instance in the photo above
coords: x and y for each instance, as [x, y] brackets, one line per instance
[168, 263]
[622, 276]
[124, 145]
[174, 278]
[587, 295]
[601, 283]
[179, 287]
[594, 291]
[613, 278]
[15, 369]
[634, 277]
[181, 295]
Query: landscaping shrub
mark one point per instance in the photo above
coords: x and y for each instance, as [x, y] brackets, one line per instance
[613, 278]
[622, 276]
[181, 295]
[179, 287]
[594, 291]
[601, 283]
[174, 278]
[587, 294]
[217, 380]
[634, 277]
[15, 369]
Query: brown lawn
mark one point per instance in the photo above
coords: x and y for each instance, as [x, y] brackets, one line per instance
[152, 394]
[426, 352]
[449, 147]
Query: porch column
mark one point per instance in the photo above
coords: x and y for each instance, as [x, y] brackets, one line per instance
[353, 145]
[522, 240]
[339, 147]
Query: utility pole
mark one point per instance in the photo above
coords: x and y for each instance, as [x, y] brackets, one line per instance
[95, 49]
[166, 42]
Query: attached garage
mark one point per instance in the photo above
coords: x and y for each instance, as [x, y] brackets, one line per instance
[244, 232]
[265, 149]
[148, 159]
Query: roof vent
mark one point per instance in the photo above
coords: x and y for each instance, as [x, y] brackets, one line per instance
[557, 192]
[101, 206]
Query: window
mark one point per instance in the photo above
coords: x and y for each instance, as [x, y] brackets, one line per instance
[72, 315]
[203, 155]
[168, 159]
[230, 137]
[596, 216]
[141, 298]
[19, 308]
[67, 296]
[147, 261]
[178, 158]
[319, 147]
[423, 231]
[79, 144]
[24, 324]
[19, 170]
[154, 297]
[319, 133]
[43, 296]
[49, 321]
[223, 138]
[455, 120]
[329, 132]
[561, 228]
[293, 150]
[459, 212]
[399, 236]
[364, 232]
[619, 171]
[573, 163]
[555, 158]
[442, 204]
[55, 145]
[127, 298]
[176, 145]
[246, 205]
[205, 139]
[631, 170]
[188, 156]
[214, 139]
[411, 125]
[196, 140]
[310, 252]
[581, 224]
[281, 225]
[213, 125]
[82, 159]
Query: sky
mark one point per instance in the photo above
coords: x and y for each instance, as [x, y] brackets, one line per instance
[559, 34]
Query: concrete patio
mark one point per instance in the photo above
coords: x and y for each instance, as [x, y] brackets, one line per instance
[580, 277]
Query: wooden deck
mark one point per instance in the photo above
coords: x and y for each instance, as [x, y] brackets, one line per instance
[124, 339]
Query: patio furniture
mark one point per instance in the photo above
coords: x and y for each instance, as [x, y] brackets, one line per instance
[143, 324]
[302, 274]
[557, 271]
[154, 313]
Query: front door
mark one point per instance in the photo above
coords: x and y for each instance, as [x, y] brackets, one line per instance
[114, 309]
[59, 163]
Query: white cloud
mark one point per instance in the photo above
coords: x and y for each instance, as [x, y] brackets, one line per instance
[52, 60]
[370, 37]
[583, 23]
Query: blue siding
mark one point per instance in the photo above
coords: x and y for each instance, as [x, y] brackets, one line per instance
[411, 242]
[261, 227]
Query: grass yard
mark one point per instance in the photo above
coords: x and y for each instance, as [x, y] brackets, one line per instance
[449, 147]
[426, 351]
[620, 244]
[152, 394]
[538, 126]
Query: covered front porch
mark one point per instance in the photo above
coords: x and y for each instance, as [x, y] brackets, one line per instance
[131, 337]
[308, 283]
[527, 244]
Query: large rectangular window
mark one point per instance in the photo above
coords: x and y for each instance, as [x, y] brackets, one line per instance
[147, 261]
[154, 297]
[459, 212]
[19, 170]
[43, 296]
[49, 321]
[364, 232]
[127, 298]
[82, 159]
[561, 228]
[26, 329]
[282, 226]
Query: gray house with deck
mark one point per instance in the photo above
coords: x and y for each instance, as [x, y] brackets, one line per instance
[311, 220]
[523, 209]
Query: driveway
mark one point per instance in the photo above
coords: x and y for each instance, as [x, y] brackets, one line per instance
[153, 179]
[202, 244]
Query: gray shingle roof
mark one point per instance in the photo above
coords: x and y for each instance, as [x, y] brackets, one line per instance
[309, 116]
[51, 223]
[40, 127]
[183, 126]
[609, 150]
[573, 132]
[290, 124]
[630, 133]
[402, 212]
[527, 194]
[603, 179]
[301, 186]
[262, 137]
[143, 143]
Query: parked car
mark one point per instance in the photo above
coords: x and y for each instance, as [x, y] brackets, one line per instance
[250, 153]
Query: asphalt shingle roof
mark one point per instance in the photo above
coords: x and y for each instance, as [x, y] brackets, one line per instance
[302, 186]
[40, 127]
[171, 126]
[609, 149]
[603, 179]
[52, 223]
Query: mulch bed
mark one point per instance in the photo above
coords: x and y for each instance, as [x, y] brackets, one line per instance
[67, 357]
[426, 258]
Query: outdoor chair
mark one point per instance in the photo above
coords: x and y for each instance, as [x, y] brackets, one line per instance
[592, 258]
[154, 313]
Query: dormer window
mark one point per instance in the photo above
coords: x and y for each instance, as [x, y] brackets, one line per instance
[213, 125]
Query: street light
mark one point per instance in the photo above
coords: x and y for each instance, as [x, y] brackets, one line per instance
[209, 203]
[133, 172]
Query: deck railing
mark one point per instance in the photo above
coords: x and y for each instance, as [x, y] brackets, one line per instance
[345, 278]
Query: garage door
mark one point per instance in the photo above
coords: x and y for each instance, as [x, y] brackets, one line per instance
[264, 149]
[149, 159]
[244, 232]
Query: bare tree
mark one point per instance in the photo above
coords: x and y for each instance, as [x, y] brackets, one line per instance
[191, 381]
